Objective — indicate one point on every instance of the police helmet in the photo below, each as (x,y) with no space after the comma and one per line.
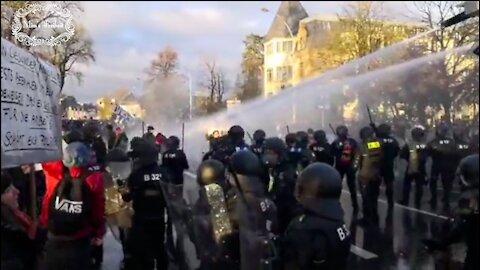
(210,171)
(320,136)
(467,172)
(173,142)
(290,139)
(259,135)
(366,133)
(442,130)
(236,132)
(384,130)
(302,138)
(245,163)
(318,189)
(342,131)
(418,133)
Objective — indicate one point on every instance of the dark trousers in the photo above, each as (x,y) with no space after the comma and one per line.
(68,255)
(97,254)
(419,180)
(388,176)
(447,175)
(352,187)
(370,191)
(146,245)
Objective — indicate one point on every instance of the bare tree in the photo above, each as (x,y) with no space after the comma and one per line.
(215,83)
(455,69)
(164,65)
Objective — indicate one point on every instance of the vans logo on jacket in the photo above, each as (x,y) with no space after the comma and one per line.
(71,207)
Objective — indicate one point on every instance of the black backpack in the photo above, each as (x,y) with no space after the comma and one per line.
(70,208)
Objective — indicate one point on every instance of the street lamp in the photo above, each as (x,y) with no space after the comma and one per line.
(294,105)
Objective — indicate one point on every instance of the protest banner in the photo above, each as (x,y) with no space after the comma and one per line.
(31,120)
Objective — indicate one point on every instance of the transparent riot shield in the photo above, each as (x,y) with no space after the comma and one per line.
(178,225)
(256,220)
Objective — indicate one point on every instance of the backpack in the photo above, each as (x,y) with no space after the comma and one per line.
(70,208)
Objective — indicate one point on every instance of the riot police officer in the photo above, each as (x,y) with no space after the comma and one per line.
(256,214)
(465,225)
(149,137)
(145,240)
(306,156)
(441,149)
(293,152)
(210,213)
(236,134)
(369,163)
(415,154)
(258,139)
(318,238)
(175,160)
(281,180)
(321,148)
(344,149)
(390,152)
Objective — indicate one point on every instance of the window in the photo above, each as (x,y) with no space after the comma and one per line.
(284,73)
(278,47)
(287,46)
(269,48)
(269,75)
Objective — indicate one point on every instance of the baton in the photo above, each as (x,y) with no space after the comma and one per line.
(250,136)
(369,114)
(288,129)
(333,130)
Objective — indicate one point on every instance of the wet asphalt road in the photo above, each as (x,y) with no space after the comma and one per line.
(393,244)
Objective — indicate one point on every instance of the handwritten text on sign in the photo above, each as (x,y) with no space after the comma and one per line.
(30,92)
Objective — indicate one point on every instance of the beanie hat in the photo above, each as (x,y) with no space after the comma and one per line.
(77,154)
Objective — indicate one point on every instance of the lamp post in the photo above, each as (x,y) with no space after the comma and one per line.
(294,105)
(190,94)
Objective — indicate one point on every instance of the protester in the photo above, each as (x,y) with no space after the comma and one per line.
(75,220)
(18,230)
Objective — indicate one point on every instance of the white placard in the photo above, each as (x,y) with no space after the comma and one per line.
(31,122)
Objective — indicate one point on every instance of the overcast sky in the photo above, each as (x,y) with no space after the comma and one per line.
(127,35)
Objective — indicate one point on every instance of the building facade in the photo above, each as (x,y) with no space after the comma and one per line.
(294,42)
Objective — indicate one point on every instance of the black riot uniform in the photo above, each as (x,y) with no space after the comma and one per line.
(219,148)
(281,180)
(344,149)
(465,226)
(318,238)
(294,152)
(416,155)
(321,148)
(145,241)
(258,139)
(149,137)
(391,150)
(442,149)
(175,160)
(256,214)
(214,255)
(306,156)
(370,162)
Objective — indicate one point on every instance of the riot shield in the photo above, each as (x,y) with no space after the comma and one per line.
(178,226)
(215,239)
(256,220)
